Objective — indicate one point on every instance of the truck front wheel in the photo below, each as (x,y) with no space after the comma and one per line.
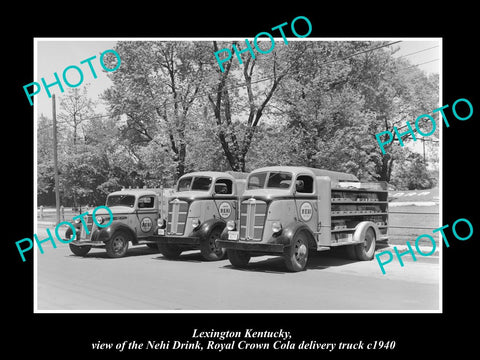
(238,258)
(79,250)
(296,256)
(208,247)
(117,246)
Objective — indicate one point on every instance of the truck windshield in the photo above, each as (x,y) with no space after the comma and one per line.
(197,183)
(272,180)
(120,200)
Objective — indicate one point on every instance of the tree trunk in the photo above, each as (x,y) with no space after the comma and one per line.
(236,151)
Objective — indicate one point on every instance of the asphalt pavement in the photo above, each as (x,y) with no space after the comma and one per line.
(146,281)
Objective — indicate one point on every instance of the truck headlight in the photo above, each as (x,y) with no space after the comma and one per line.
(161,223)
(276,227)
(195,223)
(230,225)
(100,220)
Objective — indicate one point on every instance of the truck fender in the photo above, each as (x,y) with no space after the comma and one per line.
(362,227)
(207,226)
(288,233)
(224,234)
(105,234)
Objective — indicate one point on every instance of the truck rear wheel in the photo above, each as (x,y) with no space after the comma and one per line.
(238,258)
(366,250)
(170,251)
(208,247)
(296,256)
(79,250)
(117,246)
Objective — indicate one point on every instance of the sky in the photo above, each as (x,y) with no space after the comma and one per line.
(55,55)
(426,53)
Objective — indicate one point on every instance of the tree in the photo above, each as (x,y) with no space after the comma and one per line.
(323,109)
(412,174)
(343,94)
(236,131)
(395,96)
(75,109)
(156,89)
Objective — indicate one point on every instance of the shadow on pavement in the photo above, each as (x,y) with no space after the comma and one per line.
(100,253)
(195,256)
(317,261)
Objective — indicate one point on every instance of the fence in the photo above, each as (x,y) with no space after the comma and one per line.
(406,223)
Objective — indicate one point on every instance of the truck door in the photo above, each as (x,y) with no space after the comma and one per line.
(147,214)
(225,200)
(306,201)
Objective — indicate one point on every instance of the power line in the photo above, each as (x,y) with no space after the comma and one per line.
(361,52)
(419,51)
(426,62)
(272,76)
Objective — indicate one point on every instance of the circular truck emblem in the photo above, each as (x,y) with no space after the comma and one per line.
(225,210)
(146,224)
(306,211)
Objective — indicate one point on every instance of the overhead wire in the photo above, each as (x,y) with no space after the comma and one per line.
(426,62)
(270,77)
(419,51)
(273,76)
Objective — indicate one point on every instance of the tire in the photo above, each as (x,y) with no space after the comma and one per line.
(170,251)
(79,250)
(366,251)
(238,258)
(296,255)
(210,251)
(117,246)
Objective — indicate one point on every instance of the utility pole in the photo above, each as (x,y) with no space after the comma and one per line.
(55,160)
(424,158)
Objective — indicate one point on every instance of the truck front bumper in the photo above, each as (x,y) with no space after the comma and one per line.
(86,243)
(177,240)
(251,246)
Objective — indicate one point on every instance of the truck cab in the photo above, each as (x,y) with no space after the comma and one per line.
(290,211)
(198,211)
(136,214)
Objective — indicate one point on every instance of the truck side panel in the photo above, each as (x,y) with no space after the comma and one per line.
(324,211)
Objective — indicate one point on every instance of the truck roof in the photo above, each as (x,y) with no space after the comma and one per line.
(137,192)
(334,175)
(215,174)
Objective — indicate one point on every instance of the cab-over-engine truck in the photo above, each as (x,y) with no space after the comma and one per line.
(289,211)
(198,212)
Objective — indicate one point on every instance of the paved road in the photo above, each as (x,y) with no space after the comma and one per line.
(145,280)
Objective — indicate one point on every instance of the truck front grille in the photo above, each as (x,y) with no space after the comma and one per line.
(252,219)
(177,217)
(89,222)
